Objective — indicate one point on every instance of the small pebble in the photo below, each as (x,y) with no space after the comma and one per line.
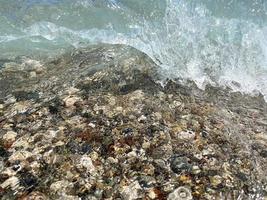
(181,193)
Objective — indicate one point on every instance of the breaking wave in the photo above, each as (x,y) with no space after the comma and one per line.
(217,42)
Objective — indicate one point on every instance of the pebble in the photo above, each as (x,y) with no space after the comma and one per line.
(10,136)
(86,162)
(263,153)
(196,169)
(131,192)
(180,164)
(72,90)
(92,125)
(1,165)
(12,182)
(175,104)
(10,100)
(112,160)
(33,74)
(186,135)
(20,156)
(71,100)
(152,194)
(21,142)
(207,152)
(142,119)
(35,196)
(137,95)
(20,107)
(27,180)
(59,186)
(181,193)
(216,180)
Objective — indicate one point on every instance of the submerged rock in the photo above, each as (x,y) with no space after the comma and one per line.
(96,124)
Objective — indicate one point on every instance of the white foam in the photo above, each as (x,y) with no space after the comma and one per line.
(189,42)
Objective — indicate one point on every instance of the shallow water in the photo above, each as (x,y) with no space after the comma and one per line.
(220,42)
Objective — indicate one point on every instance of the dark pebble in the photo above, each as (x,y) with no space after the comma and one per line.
(73,147)
(53,109)
(3,177)
(204,134)
(24,95)
(87,115)
(151,130)
(16,167)
(27,179)
(242,176)
(145,181)
(212,172)
(125,89)
(127,131)
(85,148)
(55,106)
(3,152)
(263,153)
(180,164)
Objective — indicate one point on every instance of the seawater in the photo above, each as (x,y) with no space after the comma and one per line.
(221,42)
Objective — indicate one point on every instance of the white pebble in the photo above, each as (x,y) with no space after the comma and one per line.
(70,100)
(86,162)
(10,136)
(131,192)
(12,182)
(181,193)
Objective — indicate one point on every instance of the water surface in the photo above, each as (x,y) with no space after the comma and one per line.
(210,41)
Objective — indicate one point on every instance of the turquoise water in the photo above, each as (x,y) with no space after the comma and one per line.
(210,41)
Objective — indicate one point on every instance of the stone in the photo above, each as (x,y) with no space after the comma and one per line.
(92,125)
(263,153)
(195,169)
(208,151)
(10,136)
(86,162)
(19,156)
(3,152)
(71,100)
(142,119)
(21,107)
(181,193)
(131,192)
(27,179)
(33,74)
(216,180)
(35,196)
(85,148)
(112,160)
(21,142)
(186,135)
(152,194)
(72,90)
(2,166)
(10,100)
(137,95)
(12,182)
(180,164)
(59,186)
